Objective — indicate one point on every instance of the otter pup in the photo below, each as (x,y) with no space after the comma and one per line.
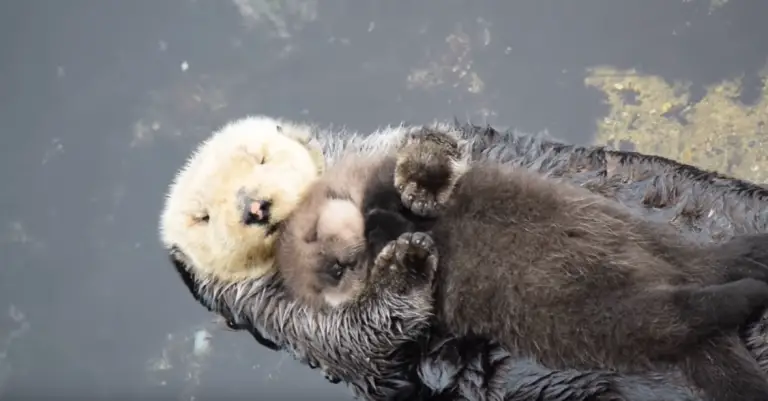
(549,270)
(575,280)
(325,247)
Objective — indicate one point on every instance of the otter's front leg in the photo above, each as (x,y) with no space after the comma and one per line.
(427,168)
(406,263)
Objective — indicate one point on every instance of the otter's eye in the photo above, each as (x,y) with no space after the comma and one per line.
(337,270)
(334,272)
(201,218)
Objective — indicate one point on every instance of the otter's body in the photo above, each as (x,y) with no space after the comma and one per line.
(574,280)
(554,269)
(706,206)
(550,271)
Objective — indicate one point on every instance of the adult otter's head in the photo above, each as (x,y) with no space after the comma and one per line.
(223,250)
(226,204)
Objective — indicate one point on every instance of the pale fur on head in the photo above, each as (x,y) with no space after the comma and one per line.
(230,265)
(476,369)
(258,157)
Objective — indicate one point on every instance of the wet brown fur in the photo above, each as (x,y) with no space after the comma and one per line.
(552,271)
(575,280)
(321,251)
(706,206)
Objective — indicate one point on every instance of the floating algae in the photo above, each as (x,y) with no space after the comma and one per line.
(718,132)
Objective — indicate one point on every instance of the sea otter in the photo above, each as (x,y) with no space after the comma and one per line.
(705,206)
(549,270)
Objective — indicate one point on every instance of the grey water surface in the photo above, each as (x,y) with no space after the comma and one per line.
(103,99)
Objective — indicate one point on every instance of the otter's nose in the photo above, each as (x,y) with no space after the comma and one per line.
(256,211)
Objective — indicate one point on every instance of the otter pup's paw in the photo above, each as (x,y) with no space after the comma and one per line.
(408,262)
(417,252)
(427,168)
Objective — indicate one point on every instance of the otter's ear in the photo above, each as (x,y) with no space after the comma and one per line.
(304,137)
(183,268)
(301,134)
(317,156)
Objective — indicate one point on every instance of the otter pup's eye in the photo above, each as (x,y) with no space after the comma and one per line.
(336,271)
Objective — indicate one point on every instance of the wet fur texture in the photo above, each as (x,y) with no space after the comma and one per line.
(322,251)
(569,277)
(707,207)
(208,216)
(324,236)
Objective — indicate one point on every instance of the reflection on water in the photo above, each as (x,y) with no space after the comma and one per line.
(103,100)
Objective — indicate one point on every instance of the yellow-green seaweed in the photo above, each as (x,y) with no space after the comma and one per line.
(718,132)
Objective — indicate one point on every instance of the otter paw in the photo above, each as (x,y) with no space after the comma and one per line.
(426,171)
(386,258)
(419,201)
(417,252)
(410,261)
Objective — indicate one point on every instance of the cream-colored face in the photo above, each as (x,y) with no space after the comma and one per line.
(225,205)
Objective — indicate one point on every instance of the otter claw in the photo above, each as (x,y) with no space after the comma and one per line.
(416,251)
(386,257)
(426,208)
(422,204)
(407,262)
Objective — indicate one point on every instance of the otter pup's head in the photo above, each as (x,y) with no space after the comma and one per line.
(322,253)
